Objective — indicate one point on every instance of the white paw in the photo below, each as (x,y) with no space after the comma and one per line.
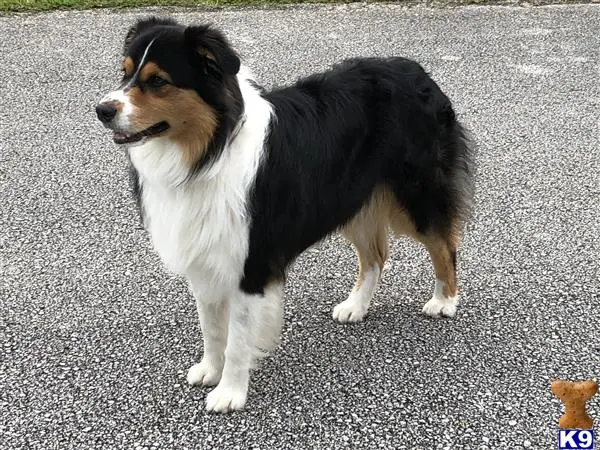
(437,307)
(349,311)
(204,373)
(224,399)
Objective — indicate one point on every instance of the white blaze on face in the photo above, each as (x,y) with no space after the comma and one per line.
(139,67)
(121,100)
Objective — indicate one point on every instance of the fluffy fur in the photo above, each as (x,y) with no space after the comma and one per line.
(234,182)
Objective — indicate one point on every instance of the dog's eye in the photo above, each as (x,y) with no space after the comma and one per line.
(155,81)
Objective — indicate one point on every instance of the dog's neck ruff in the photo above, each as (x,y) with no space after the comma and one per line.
(202,220)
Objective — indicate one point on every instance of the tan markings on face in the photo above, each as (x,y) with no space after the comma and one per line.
(151,69)
(128,66)
(191,120)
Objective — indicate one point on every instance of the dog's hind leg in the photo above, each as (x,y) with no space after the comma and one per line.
(368,232)
(442,250)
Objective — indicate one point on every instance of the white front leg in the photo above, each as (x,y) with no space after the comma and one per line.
(254,327)
(213,312)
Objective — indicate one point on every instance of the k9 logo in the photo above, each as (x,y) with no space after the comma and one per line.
(575,439)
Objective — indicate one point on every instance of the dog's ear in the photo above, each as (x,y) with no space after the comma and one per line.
(144,25)
(210,44)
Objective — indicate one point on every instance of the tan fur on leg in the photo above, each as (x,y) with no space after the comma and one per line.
(368,232)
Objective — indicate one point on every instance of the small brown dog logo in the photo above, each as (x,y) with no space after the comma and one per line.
(574,395)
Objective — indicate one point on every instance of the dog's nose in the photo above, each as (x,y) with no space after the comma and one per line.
(106,112)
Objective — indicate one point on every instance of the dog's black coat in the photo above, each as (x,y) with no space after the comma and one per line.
(338,135)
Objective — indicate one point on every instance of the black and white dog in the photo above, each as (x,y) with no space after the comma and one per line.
(235,182)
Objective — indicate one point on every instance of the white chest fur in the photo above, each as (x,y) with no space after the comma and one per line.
(198,226)
(202,225)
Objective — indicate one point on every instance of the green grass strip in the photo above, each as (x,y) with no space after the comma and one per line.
(49,5)
(9,6)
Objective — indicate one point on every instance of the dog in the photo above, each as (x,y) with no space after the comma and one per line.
(234,181)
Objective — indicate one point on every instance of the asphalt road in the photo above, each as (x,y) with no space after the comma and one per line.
(96,338)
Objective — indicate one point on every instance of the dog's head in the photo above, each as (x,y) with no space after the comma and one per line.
(178,83)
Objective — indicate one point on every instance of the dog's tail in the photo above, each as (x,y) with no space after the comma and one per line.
(458,152)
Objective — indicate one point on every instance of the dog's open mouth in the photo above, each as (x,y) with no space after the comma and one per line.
(122,138)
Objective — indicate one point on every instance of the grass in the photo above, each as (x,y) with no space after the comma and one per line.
(49,5)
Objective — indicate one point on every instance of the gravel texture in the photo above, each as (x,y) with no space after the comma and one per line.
(96,338)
